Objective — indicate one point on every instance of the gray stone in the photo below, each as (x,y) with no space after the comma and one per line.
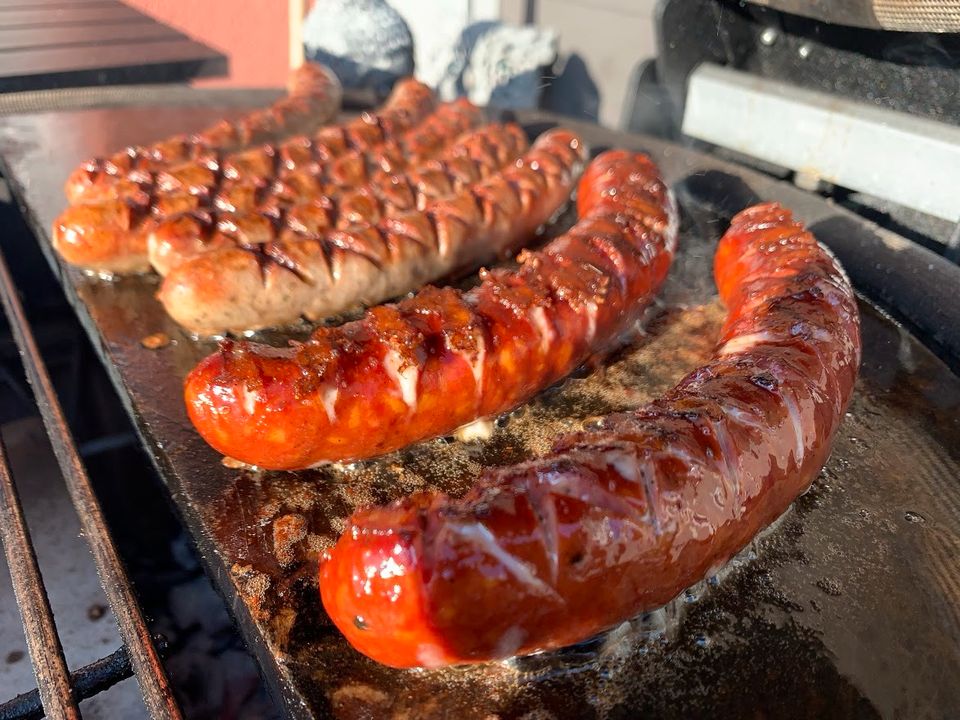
(499,65)
(366,42)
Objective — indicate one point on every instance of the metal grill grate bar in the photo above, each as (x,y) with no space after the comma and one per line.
(46,653)
(86,682)
(113,578)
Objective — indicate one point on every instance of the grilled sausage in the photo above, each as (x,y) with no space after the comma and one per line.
(111,236)
(333,271)
(409,103)
(354,168)
(443,358)
(316,201)
(617,521)
(313,99)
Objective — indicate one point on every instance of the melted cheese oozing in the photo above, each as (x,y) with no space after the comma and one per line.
(476,361)
(405,375)
(479,429)
(538,317)
(329,400)
(592,310)
(248,399)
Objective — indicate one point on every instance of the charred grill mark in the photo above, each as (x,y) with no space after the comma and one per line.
(383,127)
(353,242)
(140,206)
(651,499)
(326,255)
(286,226)
(281,258)
(360,148)
(267,254)
(258,253)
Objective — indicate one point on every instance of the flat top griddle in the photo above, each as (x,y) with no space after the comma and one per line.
(848,607)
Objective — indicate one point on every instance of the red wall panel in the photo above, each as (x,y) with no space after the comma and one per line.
(254,34)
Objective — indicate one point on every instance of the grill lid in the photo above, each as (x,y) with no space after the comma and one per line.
(904,15)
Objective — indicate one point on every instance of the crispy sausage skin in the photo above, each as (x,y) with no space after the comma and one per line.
(110,236)
(300,183)
(443,358)
(471,158)
(313,201)
(326,274)
(313,99)
(409,103)
(620,520)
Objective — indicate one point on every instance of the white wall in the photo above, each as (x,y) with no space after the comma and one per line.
(436,25)
(611,36)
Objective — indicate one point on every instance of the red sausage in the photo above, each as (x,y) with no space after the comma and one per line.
(443,358)
(618,521)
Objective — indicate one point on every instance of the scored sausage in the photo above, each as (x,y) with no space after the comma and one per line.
(111,236)
(443,358)
(276,283)
(355,168)
(409,103)
(315,203)
(618,521)
(313,99)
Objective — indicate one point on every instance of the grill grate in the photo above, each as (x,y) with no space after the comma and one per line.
(58,692)
(46,653)
(85,682)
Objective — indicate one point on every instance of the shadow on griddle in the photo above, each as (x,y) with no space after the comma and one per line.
(899,275)
(712,198)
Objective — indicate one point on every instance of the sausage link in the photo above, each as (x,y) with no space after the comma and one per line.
(336,270)
(353,168)
(620,520)
(471,158)
(175,238)
(313,99)
(408,105)
(111,236)
(443,358)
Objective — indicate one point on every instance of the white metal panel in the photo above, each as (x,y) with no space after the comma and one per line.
(911,161)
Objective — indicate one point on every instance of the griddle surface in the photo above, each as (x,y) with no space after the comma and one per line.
(848,607)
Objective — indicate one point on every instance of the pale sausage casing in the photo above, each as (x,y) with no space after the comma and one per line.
(334,271)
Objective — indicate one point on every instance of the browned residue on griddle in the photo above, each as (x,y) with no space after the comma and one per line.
(155,341)
(288,531)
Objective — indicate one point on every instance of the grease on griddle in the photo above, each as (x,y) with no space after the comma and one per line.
(155,341)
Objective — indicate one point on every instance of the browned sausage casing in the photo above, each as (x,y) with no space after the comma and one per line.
(355,168)
(313,99)
(409,103)
(289,208)
(620,520)
(276,283)
(111,236)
